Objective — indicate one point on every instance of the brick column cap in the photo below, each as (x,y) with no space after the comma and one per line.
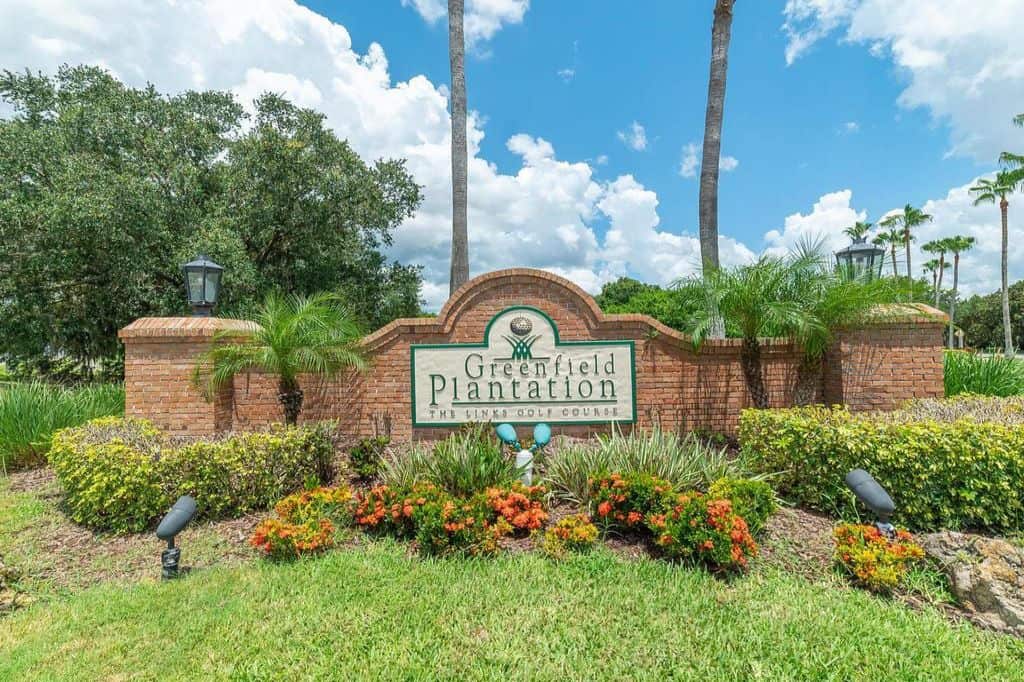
(156,328)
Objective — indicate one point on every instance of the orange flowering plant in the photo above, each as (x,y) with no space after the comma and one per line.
(392,511)
(279,539)
(521,506)
(450,525)
(309,506)
(705,531)
(571,534)
(872,559)
(625,501)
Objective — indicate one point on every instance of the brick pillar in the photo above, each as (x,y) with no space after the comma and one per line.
(159,356)
(896,358)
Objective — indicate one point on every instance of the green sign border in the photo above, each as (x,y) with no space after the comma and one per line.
(558,344)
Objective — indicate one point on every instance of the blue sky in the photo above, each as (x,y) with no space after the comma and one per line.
(787,125)
(837,110)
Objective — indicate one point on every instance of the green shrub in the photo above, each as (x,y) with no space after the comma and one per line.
(706,531)
(469,461)
(121,474)
(367,456)
(686,462)
(976,408)
(404,468)
(752,499)
(30,413)
(963,474)
(992,374)
(336,504)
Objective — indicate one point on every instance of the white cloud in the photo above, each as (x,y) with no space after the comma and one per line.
(567,74)
(963,60)
(850,127)
(689,165)
(829,216)
(482,18)
(635,138)
(601,160)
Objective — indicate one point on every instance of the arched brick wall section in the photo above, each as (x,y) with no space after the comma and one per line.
(677,388)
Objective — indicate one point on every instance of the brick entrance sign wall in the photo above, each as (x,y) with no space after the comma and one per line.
(876,367)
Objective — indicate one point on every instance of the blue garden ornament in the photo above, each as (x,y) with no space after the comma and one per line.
(524,458)
(507,434)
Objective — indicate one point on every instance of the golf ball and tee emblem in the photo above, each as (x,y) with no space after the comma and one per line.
(521,340)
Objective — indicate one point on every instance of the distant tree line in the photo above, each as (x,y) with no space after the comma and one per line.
(105,190)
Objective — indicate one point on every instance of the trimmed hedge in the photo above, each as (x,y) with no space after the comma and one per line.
(961,474)
(122,474)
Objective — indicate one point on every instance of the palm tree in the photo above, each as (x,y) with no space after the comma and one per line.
(292,336)
(755,299)
(932,268)
(905,222)
(460,233)
(987,192)
(889,239)
(937,246)
(721,31)
(957,245)
(858,230)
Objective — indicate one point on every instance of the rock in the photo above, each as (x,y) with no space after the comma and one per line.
(986,575)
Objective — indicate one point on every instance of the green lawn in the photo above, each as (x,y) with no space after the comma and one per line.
(375,611)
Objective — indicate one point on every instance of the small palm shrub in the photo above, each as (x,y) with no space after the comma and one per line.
(686,463)
(706,531)
(30,413)
(871,559)
(572,534)
(991,375)
(754,500)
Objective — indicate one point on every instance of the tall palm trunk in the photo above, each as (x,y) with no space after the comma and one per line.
(952,300)
(460,234)
(750,361)
(894,272)
(1004,207)
(290,396)
(910,271)
(721,33)
(942,268)
(935,280)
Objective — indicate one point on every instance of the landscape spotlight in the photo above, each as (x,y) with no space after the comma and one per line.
(874,497)
(524,457)
(172,524)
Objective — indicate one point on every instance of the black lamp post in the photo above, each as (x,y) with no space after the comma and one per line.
(861,259)
(202,284)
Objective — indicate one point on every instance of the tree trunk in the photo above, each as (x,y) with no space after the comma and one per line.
(895,274)
(952,300)
(460,233)
(935,280)
(910,271)
(290,396)
(942,268)
(808,378)
(1004,207)
(750,360)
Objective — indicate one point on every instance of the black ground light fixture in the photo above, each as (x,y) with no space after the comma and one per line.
(874,497)
(172,524)
(202,285)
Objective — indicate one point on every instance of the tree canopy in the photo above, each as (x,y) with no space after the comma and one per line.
(105,190)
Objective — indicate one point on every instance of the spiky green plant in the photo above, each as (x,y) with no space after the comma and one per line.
(30,413)
(470,461)
(989,374)
(293,335)
(686,462)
